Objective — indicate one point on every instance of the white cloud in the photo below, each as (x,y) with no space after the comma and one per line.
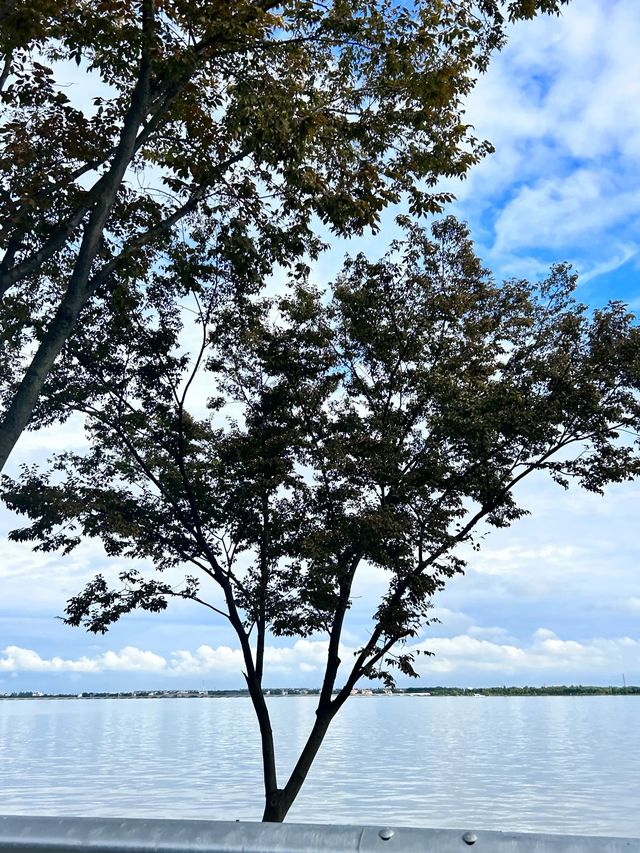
(561,105)
(622,255)
(446,621)
(128,659)
(489,633)
(207,659)
(131,659)
(510,559)
(35,444)
(304,656)
(558,212)
(16,659)
(483,650)
(546,654)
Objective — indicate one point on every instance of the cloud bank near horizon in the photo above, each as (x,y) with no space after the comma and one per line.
(489,651)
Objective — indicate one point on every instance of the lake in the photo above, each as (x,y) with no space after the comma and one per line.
(555,764)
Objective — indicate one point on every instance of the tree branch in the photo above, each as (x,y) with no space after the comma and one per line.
(362,658)
(22,405)
(6,68)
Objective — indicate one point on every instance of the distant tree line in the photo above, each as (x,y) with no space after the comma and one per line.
(555,690)
(552,690)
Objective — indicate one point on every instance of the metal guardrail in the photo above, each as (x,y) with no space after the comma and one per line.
(25,834)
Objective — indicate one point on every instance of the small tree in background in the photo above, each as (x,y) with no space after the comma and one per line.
(226,125)
(382,424)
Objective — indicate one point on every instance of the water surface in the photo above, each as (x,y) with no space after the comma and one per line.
(555,764)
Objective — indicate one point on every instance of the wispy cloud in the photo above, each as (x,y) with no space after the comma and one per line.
(561,212)
(562,106)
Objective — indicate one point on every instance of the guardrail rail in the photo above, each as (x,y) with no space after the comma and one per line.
(29,834)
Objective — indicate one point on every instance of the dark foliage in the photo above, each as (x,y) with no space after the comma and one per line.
(380,425)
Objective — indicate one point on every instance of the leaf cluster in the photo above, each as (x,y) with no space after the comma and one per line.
(237,124)
(385,424)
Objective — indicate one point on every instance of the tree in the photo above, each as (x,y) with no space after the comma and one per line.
(383,424)
(233,126)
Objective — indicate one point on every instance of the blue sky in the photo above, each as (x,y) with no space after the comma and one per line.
(556,598)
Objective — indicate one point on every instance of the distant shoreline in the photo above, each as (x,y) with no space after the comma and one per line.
(416,692)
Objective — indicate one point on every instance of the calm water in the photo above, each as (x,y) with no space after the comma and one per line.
(560,764)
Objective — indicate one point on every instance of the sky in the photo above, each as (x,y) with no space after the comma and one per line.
(556,598)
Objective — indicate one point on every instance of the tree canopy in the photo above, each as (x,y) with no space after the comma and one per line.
(233,127)
(382,424)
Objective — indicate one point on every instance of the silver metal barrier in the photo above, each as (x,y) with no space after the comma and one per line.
(111,835)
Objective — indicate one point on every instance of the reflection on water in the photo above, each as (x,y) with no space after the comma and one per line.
(558,764)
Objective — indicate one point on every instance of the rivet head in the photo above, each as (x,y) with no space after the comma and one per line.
(469,838)
(386,833)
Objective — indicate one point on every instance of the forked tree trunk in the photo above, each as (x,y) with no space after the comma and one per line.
(277,805)
(275,809)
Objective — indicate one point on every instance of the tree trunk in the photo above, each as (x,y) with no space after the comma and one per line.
(275,809)
(277,805)
(79,290)
(19,412)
